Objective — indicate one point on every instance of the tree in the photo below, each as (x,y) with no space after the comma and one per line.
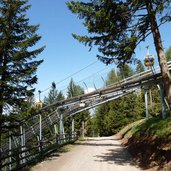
(168,54)
(18,63)
(139,67)
(53,95)
(112,77)
(74,90)
(117,27)
(125,71)
(112,116)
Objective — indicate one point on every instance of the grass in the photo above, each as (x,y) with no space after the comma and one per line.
(149,142)
(160,128)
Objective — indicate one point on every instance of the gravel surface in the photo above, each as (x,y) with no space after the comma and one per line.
(94,154)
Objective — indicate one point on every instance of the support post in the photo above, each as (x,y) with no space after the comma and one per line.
(56,133)
(160,86)
(146,103)
(83,129)
(40,132)
(73,133)
(151,100)
(61,127)
(22,144)
(10,152)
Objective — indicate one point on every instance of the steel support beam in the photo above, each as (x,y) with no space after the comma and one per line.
(61,127)
(40,132)
(10,152)
(73,131)
(83,129)
(161,88)
(146,103)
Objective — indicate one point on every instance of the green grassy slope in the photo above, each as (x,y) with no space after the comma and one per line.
(149,141)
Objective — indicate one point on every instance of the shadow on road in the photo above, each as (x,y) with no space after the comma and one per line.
(96,144)
(118,156)
(116,153)
(101,139)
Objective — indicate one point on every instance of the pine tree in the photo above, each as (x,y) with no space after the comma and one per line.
(111,77)
(18,63)
(74,90)
(112,116)
(139,67)
(53,95)
(168,54)
(118,27)
(125,71)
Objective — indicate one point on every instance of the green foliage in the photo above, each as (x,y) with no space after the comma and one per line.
(112,77)
(168,54)
(53,95)
(76,90)
(112,116)
(117,27)
(139,67)
(17,56)
(125,71)
(154,127)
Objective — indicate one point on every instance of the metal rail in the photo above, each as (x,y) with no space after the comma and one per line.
(34,127)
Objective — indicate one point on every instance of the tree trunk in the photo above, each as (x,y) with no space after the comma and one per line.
(160,51)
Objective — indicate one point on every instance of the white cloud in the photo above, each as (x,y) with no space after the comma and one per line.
(89,90)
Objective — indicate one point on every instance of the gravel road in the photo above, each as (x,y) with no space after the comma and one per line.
(95,154)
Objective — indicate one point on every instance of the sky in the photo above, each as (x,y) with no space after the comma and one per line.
(64,56)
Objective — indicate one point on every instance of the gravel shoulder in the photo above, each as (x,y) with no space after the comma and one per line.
(94,154)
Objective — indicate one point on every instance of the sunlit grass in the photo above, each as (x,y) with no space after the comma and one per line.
(158,127)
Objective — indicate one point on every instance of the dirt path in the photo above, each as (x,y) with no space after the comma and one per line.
(95,154)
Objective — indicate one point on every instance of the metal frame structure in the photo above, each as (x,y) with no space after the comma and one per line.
(18,150)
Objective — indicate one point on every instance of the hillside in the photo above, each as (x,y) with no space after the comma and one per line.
(149,142)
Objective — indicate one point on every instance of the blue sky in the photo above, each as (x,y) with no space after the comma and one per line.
(63,55)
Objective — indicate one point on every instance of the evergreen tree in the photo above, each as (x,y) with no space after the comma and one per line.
(118,27)
(168,54)
(18,63)
(75,90)
(139,67)
(53,95)
(125,71)
(111,77)
(111,117)
(18,58)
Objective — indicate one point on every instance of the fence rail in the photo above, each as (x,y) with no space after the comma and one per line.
(21,156)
